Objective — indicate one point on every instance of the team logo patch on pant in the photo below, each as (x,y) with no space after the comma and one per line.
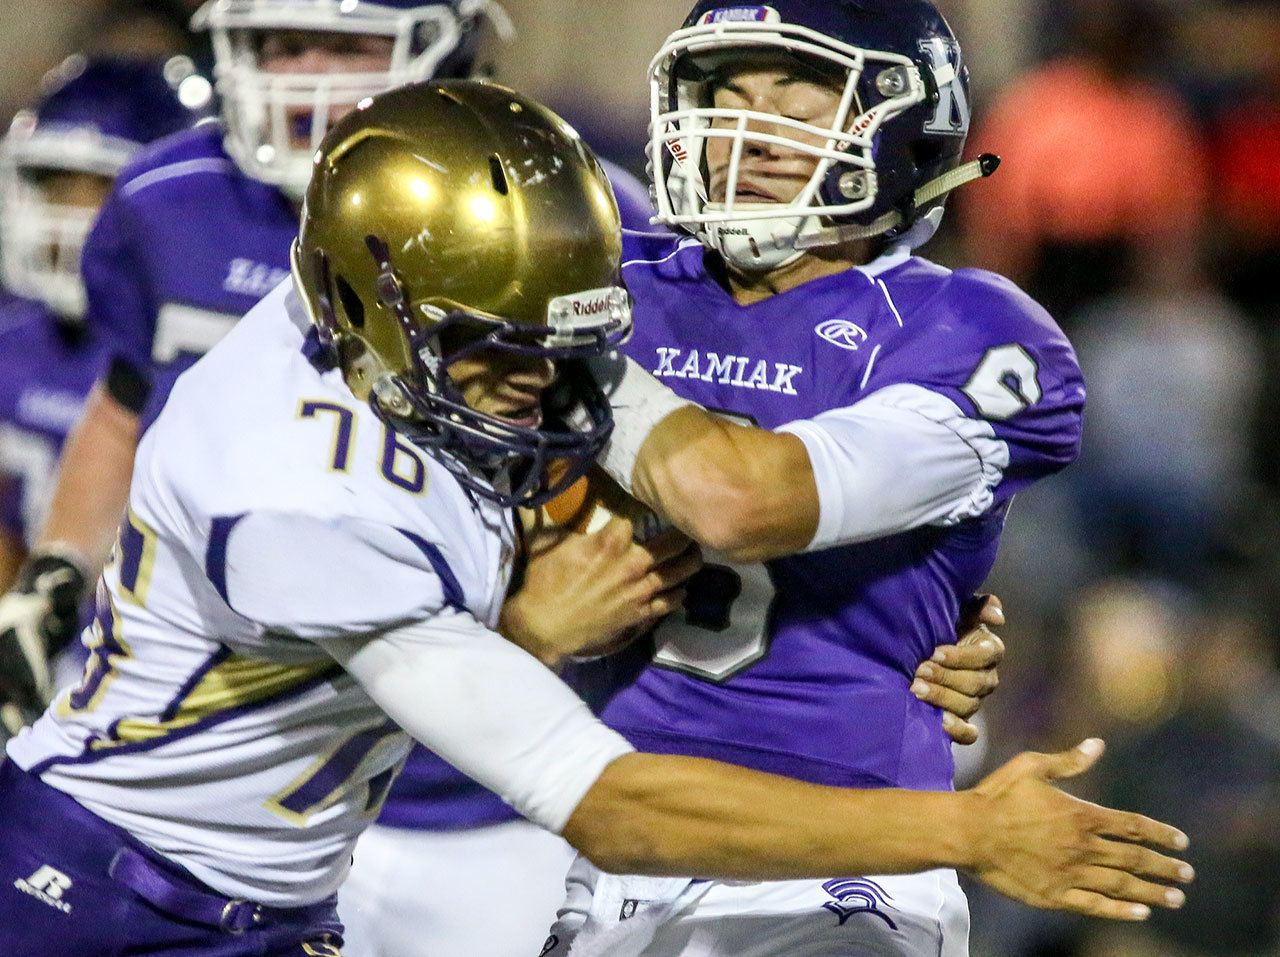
(857,896)
(47,885)
(630,906)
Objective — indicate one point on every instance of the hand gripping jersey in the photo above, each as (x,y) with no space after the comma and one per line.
(185,245)
(45,375)
(210,722)
(802,666)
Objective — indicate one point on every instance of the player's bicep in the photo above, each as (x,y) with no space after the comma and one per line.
(487,708)
(902,458)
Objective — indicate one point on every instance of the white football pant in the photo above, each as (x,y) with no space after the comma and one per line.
(487,892)
(915,915)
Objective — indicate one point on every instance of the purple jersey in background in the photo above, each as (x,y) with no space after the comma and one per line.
(46,373)
(822,693)
(184,246)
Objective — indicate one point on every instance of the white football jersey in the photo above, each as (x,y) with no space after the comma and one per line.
(269,511)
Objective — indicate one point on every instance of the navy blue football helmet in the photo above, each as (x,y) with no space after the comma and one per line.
(276,121)
(885,161)
(91,116)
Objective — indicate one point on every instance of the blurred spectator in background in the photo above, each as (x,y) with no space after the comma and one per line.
(1174,373)
(1163,672)
(1246,154)
(140,28)
(1217,777)
(1099,159)
(1246,167)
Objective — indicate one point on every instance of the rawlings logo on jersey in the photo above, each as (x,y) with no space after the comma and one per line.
(857,896)
(842,333)
(742,372)
(741,15)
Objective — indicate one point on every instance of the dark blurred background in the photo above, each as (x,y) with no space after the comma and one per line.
(1140,201)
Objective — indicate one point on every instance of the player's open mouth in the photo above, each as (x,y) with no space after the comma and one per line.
(750,193)
(526,417)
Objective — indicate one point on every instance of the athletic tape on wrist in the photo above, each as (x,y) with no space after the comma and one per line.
(639,403)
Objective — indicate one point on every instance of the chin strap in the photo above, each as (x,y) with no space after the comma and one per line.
(930,192)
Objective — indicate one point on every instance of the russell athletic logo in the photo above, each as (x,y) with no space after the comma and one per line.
(47,886)
(857,896)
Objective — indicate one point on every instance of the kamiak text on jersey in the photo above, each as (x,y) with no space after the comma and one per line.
(742,372)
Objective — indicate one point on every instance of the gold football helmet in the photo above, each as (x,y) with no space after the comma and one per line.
(449,218)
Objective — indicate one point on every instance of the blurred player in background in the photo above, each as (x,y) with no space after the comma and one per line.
(195,233)
(317,555)
(57,163)
(808,145)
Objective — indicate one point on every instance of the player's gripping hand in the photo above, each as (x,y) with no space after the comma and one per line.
(1048,849)
(590,594)
(959,676)
(38,617)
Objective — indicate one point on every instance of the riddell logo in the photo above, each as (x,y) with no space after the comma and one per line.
(47,886)
(592,308)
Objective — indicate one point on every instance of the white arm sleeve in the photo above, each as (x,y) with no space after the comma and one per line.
(902,458)
(489,709)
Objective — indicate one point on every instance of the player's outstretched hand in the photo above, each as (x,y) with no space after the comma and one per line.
(1044,847)
(587,595)
(38,616)
(959,676)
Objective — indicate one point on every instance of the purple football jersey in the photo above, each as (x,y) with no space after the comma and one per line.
(185,245)
(45,375)
(815,653)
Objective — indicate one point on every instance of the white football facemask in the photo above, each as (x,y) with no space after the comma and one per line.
(41,241)
(268,114)
(762,236)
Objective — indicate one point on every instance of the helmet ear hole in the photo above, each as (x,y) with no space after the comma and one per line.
(351,303)
(498,175)
(924,153)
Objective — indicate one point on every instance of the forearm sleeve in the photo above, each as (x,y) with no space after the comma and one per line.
(487,708)
(902,458)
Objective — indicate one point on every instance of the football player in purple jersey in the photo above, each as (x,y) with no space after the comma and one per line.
(57,163)
(196,231)
(844,424)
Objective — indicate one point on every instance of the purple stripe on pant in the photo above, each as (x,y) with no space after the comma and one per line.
(58,895)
